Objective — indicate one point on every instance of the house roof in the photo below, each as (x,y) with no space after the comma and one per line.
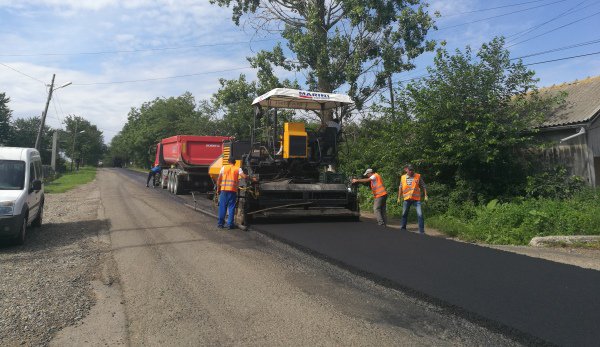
(581,105)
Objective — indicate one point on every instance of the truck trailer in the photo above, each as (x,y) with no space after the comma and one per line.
(185,160)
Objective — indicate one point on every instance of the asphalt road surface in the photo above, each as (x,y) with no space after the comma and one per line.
(185,282)
(242,287)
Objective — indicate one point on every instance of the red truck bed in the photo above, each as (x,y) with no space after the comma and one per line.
(191,150)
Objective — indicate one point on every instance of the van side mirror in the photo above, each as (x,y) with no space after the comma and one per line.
(36,185)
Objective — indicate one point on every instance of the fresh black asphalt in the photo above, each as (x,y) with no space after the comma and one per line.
(557,303)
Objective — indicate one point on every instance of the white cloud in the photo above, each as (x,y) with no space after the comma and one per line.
(451,7)
(64,26)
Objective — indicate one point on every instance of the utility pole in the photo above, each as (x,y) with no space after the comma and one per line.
(39,134)
(54,150)
(73,147)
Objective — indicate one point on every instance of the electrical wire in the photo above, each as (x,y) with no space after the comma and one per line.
(60,107)
(528,64)
(160,78)
(560,59)
(520,34)
(22,73)
(490,8)
(558,49)
(557,28)
(501,15)
(134,50)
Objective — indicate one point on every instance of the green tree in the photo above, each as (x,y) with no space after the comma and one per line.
(82,140)
(159,119)
(5,118)
(353,43)
(233,101)
(25,132)
(473,116)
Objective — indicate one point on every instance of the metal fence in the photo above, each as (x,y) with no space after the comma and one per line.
(49,173)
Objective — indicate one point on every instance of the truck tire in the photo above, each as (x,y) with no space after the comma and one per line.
(241,217)
(177,186)
(170,182)
(163,181)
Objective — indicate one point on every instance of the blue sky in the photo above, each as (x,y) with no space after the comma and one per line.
(94,43)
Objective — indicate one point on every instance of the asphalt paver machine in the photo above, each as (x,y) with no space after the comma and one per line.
(291,165)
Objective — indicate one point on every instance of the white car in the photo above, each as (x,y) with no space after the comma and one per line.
(21,192)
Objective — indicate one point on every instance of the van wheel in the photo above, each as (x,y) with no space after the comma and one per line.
(37,222)
(20,239)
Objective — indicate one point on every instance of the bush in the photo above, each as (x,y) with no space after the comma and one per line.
(553,183)
(517,222)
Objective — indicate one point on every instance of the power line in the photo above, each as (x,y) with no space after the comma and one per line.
(567,12)
(62,112)
(557,28)
(529,64)
(134,50)
(160,78)
(500,15)
(22,73)
(565,58)
(558,49)
(491,8)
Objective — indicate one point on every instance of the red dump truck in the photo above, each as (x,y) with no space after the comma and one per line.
(185,160)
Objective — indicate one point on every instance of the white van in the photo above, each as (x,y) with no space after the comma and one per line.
(21,192)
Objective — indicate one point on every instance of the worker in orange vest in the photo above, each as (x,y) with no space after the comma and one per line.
(410,190)
(227,187)
(379,195)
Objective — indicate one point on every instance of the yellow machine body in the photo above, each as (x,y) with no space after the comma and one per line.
(295,140)
(215,168)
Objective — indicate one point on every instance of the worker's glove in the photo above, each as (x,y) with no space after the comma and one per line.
(426,197)
(398,200)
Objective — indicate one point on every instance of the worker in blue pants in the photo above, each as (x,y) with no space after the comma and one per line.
(227,187)
(153,172)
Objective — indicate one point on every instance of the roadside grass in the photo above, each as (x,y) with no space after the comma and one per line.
(517,222)
(71,180)
(513,222)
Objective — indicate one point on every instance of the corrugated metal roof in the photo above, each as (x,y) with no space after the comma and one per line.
(582,102)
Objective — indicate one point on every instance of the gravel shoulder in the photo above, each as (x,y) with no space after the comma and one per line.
(47,283)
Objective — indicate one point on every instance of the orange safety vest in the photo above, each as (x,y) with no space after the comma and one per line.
(412,192)
(377,187)
(230,178)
